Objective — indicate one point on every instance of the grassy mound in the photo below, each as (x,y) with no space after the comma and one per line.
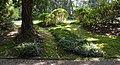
(71,42)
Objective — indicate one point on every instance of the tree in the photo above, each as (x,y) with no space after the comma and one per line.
(26,33)
(27,24)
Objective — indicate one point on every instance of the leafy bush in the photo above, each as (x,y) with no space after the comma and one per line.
(5,17)
(59,15)
(79,13)
(44,16)
(71,42)
(45,19)
(55,17)
(25,50)
(101,14)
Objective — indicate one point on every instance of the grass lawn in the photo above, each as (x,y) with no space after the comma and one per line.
(110,44)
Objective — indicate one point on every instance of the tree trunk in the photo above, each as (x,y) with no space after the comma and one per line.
(27,31)
(70,8)
(27,24)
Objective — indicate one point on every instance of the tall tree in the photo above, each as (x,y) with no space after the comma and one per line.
(26,33)
(27,24)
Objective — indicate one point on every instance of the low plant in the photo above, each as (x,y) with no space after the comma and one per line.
(59,15)
(71,42)
(26,50)
(5,17)
(7,48)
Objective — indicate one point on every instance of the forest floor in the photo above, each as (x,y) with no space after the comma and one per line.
(108,43)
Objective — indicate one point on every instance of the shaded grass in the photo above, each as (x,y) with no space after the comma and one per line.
(47,46)
(7,49)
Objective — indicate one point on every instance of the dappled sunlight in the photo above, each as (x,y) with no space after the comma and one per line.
(59,26)
(106,42)
(69,21)
(91,39)
(19,22)
(98,35)
(59,30)
(93,59)
(68,26)
(69,29)
(102,45)
(74,29)
(118,59)
(60,62)
(112,36)
(40,63)
(65,21)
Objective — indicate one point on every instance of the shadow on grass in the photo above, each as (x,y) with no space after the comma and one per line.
(110,44)
(47,47)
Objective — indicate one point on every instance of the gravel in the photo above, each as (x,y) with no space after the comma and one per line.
(59,62)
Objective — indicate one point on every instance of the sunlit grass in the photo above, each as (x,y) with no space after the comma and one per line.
(92,39)
(109,43)
(19,22)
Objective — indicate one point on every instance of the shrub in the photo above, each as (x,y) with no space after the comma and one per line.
(45,19)
(25,50)
(44,16)
(71,42)
(102,14)
(5,17)
(55,17)
(59,15)
(79,13)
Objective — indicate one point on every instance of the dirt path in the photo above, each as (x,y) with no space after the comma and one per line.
(58,62)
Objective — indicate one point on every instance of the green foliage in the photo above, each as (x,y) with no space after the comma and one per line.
(16,13)
(5,16)
(59,15)
(39,7)
(45,19)
(71,42)
(48,46)
(44,16)
(25,50)
(101,14)
(7,48)
(79,13)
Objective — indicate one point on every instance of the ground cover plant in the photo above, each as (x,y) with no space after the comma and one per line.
(71,42)
(88,32)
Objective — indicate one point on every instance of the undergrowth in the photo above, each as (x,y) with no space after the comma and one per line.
(71,42)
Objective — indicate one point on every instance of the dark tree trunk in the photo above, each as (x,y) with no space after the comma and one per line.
(27,31)
(27,24)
